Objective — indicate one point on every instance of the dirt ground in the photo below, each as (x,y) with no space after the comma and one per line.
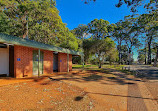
(43,94)
(95,90)
(114,91)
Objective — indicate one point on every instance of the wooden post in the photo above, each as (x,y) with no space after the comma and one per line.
(67,62)
(38,62)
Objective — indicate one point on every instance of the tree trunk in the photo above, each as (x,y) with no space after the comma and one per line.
(120,58)
(156,58)
(24,27)
(145,56)
(149,50)
(129,58)
(119,49)
(99,65)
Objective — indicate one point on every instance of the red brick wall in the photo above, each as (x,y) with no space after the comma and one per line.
(25,65)
(48,62)
(62,62)
(70,62)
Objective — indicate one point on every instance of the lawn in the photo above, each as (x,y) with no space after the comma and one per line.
(89,66)
(104,68)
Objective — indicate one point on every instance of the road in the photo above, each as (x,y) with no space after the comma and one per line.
(146,71)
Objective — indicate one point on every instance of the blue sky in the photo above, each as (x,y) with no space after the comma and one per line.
(75,12)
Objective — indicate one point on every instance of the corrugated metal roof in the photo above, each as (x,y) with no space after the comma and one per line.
(4,38)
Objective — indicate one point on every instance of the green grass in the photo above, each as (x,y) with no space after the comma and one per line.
(103,69)
(117,67)
(78,66)
(95,67)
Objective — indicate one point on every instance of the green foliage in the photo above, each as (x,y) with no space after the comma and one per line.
(87,44)
(126,34)
(112,56)
(141,58)
(98,46)
(99,28)
(148,24)
(133,4)
(44,23)
(80,32)
(102,49)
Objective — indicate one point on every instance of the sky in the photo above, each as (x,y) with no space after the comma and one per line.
(75,12)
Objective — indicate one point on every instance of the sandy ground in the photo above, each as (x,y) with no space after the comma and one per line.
(43,94)
(105,90)
(113,91)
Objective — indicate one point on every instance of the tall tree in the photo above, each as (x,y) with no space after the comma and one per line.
(44,23)
(119,36)
(132,34)
(101,48)
(134,4)
(99,28)
(127,32)
(149,25)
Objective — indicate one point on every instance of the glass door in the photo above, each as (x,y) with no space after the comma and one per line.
(35,62)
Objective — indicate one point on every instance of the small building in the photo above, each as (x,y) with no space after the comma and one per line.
(26,58)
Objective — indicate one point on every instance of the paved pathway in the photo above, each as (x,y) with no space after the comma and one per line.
(148,72)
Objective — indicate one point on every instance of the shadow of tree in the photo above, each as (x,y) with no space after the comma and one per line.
(93,77)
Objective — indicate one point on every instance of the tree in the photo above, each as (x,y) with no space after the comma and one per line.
(119,37)
(44,23)
(141,58)
(112,55)
(155,52)
(133,4)
(149,25)
(87,44)
(101,49)
(99,29)
(142,53)
(126,32)
(132,33)
(81,32)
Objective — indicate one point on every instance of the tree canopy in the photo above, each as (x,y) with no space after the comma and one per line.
(44,23)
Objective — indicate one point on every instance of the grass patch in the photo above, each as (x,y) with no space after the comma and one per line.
(104,68)
(78,66)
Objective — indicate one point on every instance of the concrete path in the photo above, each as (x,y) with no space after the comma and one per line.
(113,91)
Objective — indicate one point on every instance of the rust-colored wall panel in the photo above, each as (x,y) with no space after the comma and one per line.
(62,62)
(70,62)
(23,61)
(48,62)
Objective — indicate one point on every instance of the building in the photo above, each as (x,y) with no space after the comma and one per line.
(26,58)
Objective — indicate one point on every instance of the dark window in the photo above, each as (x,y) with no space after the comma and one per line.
(3,45)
